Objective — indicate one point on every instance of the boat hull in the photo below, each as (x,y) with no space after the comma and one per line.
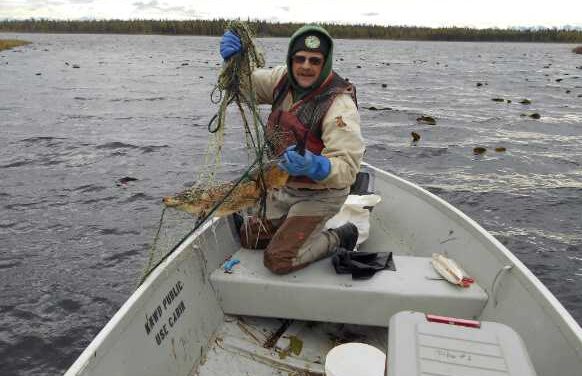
(166,326)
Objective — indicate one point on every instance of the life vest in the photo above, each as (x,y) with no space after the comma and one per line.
(302,123)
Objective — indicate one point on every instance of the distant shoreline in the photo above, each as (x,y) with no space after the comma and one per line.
(269,29)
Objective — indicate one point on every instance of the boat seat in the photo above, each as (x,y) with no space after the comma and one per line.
(317,293)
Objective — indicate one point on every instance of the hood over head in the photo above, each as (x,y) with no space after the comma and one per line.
(312,38)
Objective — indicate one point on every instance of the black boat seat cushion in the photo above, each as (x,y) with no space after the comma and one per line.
(317,293)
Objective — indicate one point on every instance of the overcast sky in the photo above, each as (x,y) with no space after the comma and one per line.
(483,13)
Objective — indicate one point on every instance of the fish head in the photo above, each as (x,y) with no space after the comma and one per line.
(181,203)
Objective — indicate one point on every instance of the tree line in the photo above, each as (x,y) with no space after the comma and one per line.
(275,29)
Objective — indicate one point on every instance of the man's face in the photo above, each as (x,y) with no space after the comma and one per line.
(307,67)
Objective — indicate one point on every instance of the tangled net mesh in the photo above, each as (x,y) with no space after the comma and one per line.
(210,196)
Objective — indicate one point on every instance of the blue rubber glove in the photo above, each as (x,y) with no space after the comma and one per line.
(230,45)
(315,167)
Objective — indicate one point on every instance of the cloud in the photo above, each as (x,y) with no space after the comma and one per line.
(145,6)
(155,6)
(286,9)
(370,14)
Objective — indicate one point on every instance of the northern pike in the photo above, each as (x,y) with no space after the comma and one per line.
(200,201)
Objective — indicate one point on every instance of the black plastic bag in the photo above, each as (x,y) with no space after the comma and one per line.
(362,265)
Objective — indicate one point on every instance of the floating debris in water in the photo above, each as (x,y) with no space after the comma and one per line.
(373,108)
(76,66)
(498,99)
(559,79)
(577,50)
(384,85)
(123,181)
(525,101)
(359,66)
(426,119)
(535,115)
(479,150)
(500,149)
(415,137)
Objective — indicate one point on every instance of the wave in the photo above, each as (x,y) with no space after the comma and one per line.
(18,164)
(116,145)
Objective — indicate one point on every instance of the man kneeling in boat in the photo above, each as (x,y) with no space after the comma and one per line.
(322,147)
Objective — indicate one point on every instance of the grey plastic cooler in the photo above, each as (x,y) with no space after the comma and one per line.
(420,344)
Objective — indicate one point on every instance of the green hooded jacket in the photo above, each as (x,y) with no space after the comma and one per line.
(298,91)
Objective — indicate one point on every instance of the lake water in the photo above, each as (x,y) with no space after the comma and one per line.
(80,112)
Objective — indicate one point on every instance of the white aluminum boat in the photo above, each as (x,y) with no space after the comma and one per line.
(189,317)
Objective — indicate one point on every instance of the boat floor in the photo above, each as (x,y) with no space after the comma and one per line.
(266,346)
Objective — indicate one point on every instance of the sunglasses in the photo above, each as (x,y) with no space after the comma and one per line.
(313,60)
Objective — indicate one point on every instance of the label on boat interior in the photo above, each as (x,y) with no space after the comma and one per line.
(165,315)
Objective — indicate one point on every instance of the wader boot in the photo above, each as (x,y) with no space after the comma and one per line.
(348,236)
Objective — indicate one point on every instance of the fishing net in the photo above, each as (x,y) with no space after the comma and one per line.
(212,194)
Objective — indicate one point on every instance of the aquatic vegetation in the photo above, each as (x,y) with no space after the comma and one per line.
(6,44)
(426,120)
(374,108)
(479,150)
(415,137)
(535,115)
